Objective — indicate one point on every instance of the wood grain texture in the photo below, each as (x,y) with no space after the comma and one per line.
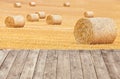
(87,65)
(17,67)
(40,66)
(75,64)
(7,64)
(3,55)
(29,67)
(63,67)
(51,65)
(110,63)
(100,67)
(60,64)
(43,36)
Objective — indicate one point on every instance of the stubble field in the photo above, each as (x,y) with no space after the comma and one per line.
(40,35)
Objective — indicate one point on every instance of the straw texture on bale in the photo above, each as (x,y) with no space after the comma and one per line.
(95,31)
(32,3)
(66,4)
(54,19)
(17,5)
(32,17)
(15,21)
(89,14)
(41,14)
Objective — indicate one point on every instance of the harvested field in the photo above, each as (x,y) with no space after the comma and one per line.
(40,35)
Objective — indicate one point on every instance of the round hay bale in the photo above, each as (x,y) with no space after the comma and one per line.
(32,17)
(54,19)
(66,4)
(17,5)
(32,4)
(15,21)
(89,14)
(41,14)
(95,31)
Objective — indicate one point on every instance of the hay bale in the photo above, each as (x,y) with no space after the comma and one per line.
(41,14)
(54,19)
(32,17)
(89,14)
(32,4)
(95,31)
(66,4)
(17,5)
(15,21)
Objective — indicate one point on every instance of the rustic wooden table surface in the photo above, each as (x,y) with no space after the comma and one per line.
(59,64)
(43,36)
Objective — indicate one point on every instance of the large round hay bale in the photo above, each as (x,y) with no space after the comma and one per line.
(32,4)
(89,14)
(54,19)
(17,5)
(66,4)
(15,21)
(32,17)
(95,31)
(41,14)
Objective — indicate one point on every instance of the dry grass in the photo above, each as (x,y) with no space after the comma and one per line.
(43,36)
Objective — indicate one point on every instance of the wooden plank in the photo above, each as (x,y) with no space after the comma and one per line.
(116,56)
(29,67)
(75,63)
(100,67)
(110,63)
(18,65)
(51,65)
(3,55)
(5,67)
(63,67)
(87,65)
(39,70)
